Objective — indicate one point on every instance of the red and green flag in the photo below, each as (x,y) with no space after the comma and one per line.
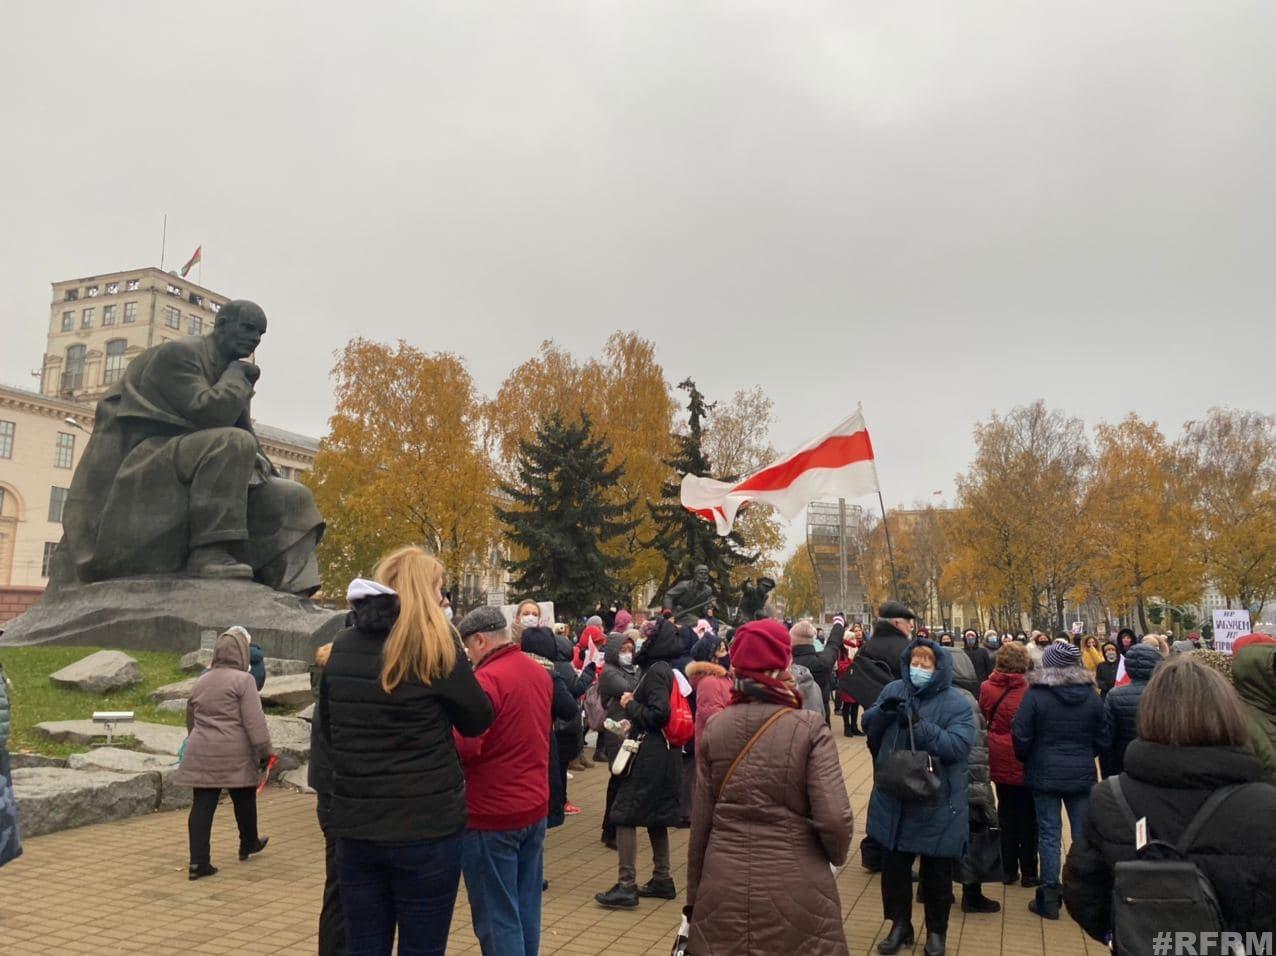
(192,261)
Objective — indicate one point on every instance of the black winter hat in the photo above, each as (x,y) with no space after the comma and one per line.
(893,609)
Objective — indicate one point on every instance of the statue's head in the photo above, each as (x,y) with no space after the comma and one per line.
(766,585)
(239,328)
(702,573)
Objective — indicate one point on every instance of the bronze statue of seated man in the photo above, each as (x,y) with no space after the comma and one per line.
(174,479)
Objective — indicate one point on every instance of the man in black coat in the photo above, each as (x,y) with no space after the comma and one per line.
(1121,707)
(891,636)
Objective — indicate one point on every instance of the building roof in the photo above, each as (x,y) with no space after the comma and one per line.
(85,411)
(270,433)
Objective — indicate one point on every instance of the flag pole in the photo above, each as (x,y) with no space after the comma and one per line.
(886,525)
(163,241)
(200,280)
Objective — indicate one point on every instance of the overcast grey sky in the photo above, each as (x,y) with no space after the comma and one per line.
(937,209)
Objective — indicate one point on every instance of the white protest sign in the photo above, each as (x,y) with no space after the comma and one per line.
(1228,626)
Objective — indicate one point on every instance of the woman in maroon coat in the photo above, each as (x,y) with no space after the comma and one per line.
(999,699)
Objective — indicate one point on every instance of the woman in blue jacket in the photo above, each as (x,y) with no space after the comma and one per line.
(1057,733)
(943,726)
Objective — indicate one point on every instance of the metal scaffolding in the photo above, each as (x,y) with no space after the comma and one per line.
(834,530)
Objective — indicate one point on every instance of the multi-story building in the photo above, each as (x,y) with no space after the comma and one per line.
(97,325)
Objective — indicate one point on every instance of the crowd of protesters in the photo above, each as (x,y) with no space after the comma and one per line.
(442,750)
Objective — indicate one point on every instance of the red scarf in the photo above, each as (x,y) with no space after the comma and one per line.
(768,687)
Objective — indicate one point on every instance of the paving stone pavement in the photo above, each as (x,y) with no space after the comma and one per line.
(122,888)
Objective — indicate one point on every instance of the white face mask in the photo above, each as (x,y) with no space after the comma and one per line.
(529,620)
(447,613)
(626,659)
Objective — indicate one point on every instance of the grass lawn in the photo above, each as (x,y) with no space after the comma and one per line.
(34,699)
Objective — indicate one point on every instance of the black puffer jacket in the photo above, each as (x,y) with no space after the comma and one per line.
(615,680)
(1058,730)
(396,777)
(1168,785)
(539,644)
(1121,706)
(648,796)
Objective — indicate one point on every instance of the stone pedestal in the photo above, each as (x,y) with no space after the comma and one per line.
(171,613)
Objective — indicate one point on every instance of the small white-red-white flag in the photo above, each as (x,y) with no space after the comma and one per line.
(838,464)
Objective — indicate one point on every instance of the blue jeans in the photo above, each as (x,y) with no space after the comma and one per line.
(1050,829)
(503,872)
(412,886)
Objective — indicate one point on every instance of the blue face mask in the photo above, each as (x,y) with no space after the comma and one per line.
(920,676)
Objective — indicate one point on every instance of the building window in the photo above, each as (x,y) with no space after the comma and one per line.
(195,325)
(57,501)
(72,294)
(112,288)
(64,450)
(174,290)
(196,299)
(131,285)
(73,371)
(86,318)
(108,315)
(216,307)
(130,312)
(6,439)
(68,321)
(172,317)
(92,291)
(47,563)
(113,371)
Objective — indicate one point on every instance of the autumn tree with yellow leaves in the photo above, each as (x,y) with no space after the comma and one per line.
(799,587)
(1142,523)
(1232,454)
(402,463)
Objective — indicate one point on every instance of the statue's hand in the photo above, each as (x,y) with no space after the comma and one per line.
(251,372)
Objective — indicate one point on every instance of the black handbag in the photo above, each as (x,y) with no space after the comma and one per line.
(908,775)
(982,862)
(866,680)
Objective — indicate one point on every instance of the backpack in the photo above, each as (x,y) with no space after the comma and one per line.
(595,712)
(1163,890)
(681,728)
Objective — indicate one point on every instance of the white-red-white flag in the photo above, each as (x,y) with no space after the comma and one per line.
(838,464)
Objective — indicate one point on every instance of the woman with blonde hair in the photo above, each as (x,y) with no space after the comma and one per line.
(1091,654)
(396,685)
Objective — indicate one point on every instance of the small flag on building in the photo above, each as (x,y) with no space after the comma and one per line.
(192,261)
(837,464)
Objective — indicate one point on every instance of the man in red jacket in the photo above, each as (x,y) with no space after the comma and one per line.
(506,789)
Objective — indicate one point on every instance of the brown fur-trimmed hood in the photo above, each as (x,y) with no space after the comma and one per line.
(704,669)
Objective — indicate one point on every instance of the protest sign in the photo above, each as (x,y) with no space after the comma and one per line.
(1228,626)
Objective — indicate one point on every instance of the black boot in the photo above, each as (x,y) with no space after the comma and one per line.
(246,851)
(659,889)
(935,943)
(847,729)
(618,897)
(201,869)
(974,901)
(900,937)
(1028,882)
(1011,876)
(1046,903)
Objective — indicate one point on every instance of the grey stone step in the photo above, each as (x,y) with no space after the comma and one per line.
(163,766)
(51,798)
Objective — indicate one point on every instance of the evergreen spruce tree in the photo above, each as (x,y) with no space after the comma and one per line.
(683,537)
(561,517)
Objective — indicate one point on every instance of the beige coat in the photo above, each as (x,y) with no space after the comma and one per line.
(758,871)
(228,735)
